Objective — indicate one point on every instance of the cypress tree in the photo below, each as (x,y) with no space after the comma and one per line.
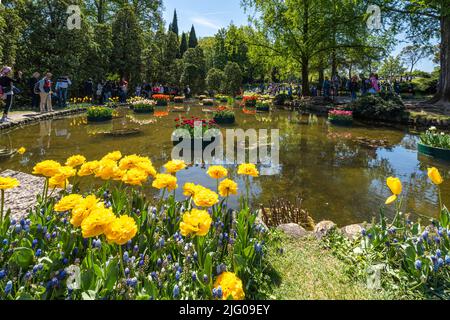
(174,25)
(193,38)
(184,44)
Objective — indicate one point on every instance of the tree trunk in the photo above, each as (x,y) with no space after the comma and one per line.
(442,96)
(333,64)
(321,76)
(305,77)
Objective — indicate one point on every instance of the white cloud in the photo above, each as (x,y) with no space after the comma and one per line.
(205,22)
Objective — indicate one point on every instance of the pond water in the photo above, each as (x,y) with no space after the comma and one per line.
(339,177)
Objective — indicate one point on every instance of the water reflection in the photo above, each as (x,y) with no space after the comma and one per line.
(339,171)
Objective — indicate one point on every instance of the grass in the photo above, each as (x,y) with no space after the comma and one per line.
(309,272)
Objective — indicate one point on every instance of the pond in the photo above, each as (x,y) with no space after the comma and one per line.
(340,172)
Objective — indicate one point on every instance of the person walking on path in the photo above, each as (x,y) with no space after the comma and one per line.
(353,87)
(7,90)
(45,92)
(326,87)
(62,87)
(32,87)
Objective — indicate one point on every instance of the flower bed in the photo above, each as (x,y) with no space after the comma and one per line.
(340,117)
(435,144)
(222,98)
(143,106)
(224,115)
(98,113)
(208,102)
(112,243)
(263,106)
(179,99)
(162,100)
(414,257)
(202,97)
(249,101)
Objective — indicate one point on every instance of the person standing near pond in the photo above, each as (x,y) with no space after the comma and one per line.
(89,89)
(45,93)
(7,84)
(123,90)
(353,87)
(34,93)
(62,87)
(326,87)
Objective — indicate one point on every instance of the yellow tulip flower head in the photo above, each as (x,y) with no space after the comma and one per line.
(435,176)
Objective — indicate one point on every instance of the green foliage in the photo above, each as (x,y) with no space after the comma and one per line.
(385,107)
(193,42)
(225,115)
(127,39)
(194,69)
(233,78)
(214,79)
(183,44)
(434,139)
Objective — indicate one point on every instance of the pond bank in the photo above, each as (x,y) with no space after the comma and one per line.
(33,117)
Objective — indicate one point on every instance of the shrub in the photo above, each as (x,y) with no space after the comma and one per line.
(214,79)
(386,107)
(98,113)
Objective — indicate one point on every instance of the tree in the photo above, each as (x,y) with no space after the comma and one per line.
(183,44)
(233,78)
(193,42)
(127,39)
(412,54)
(194,69)
(11,26)
(427,20)
(303,30)
(392,68)
(214,79)
(174,25)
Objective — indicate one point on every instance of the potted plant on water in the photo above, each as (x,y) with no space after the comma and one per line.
(143,106)
(99,113)
(340,117)
(249,101)
(263,106)
(224,115)
(192,126)
(435,144)
(162,100)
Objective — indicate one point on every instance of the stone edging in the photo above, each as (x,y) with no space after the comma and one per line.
(39,117)
(321,229)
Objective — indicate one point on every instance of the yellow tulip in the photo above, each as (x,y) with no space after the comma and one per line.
(395,185)
(391,199)
(435,176)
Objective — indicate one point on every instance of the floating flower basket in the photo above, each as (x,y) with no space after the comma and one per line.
(249,101)
(223,115)
(263,106)
(438,153)
(99,114)
(340,117)
(208,102)
(202,97)
(178,99)
(162,100)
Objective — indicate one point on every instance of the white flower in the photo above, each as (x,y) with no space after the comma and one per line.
(433,128)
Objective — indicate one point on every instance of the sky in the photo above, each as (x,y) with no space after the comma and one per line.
(208,16)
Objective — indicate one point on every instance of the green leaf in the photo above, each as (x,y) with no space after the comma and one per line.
(112,272)
(89,295)
(23,257)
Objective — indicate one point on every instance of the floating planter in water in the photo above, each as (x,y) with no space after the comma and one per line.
(263,106)
(179,99)
(143,106)
(249,101)
(162,100)
(224,115)
(208,102)
(435,144)
(340,117)
(99,113)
